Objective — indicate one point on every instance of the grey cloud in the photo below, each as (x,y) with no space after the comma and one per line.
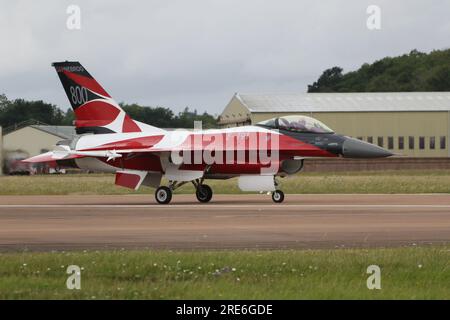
(198,53)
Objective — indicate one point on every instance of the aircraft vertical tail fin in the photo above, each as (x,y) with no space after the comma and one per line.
(95,111)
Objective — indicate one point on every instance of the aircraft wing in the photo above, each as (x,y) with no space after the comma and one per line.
(48,157)
(65,153)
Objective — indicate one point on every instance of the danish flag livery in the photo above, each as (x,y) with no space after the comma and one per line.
(108,140)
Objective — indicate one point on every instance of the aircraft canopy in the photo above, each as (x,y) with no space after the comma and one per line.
(296,123)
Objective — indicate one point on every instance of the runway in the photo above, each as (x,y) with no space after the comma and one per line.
(45,223)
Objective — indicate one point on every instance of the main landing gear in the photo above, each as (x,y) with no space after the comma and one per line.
(163,195)
(204,193)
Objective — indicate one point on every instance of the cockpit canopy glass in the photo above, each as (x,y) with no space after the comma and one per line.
(297,123)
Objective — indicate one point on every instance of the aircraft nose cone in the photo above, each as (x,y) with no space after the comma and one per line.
(353,148)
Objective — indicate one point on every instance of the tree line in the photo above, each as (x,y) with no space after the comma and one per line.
(15,111)
(416,71)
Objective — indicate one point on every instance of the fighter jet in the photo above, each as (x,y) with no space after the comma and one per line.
(108,140)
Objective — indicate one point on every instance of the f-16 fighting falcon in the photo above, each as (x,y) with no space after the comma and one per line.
(108,140)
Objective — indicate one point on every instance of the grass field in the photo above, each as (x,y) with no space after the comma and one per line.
(431,181)
(406,273)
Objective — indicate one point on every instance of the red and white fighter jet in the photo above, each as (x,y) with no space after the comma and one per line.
(108,140)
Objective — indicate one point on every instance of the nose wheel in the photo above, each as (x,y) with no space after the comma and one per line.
(278,196)
(204,193)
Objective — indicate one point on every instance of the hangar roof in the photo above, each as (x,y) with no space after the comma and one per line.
(65,132)
(342,102)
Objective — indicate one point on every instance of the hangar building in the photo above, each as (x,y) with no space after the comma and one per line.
(35,139)
(28,139)
(413,124)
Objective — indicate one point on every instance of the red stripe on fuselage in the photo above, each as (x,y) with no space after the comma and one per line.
(292,147)
(142,162)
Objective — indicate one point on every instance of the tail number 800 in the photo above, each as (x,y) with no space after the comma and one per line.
(79,95)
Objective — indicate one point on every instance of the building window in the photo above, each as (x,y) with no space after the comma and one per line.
(390,143)
(370,139)
(401,143)
(432,143)
(380,141)
(411,142)
(442,142)
(421,143)
(359,138)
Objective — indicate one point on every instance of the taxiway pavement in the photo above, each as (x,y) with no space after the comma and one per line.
(45,223)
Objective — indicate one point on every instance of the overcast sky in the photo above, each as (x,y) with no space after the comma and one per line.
(198,53)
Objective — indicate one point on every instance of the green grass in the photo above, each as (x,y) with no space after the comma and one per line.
(412,181)
(406,273)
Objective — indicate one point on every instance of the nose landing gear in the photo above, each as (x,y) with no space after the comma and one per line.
(278,196)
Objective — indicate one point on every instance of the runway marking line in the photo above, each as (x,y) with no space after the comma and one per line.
(184,206)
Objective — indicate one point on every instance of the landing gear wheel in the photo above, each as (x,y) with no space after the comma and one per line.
(204,193)
(278,196)
(163,195)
